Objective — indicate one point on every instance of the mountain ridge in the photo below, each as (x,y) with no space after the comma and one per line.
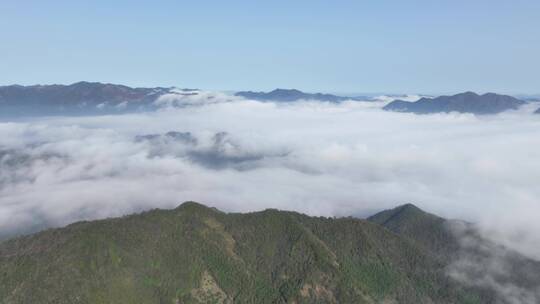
(467,102)
(198,254)
(290,95)
(81,97)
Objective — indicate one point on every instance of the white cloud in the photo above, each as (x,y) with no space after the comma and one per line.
(407,97)
(187,97)
(483,264)
(318,158)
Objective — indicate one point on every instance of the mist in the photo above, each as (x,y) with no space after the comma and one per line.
(238,155)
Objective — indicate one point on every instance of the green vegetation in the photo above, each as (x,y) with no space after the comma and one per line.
(425,229)
(196,254)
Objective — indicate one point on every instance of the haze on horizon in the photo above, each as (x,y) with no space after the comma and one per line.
(345,46)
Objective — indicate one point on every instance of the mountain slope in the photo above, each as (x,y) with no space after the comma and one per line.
(468,102)
(468,257)
(284,95)
(430,231)
(196,254)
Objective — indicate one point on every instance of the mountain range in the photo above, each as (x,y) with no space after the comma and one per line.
(78,98)
(468,102)
(289,95)
(91,98)
(197,254)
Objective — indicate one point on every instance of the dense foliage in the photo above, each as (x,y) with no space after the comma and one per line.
(196,254)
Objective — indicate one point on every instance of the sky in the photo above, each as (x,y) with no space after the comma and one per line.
(333,46)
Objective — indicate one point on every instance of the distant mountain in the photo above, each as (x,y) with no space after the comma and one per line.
(537,111)
(468,102)
(90,98)
(78,98)
(196,254)
(284,95)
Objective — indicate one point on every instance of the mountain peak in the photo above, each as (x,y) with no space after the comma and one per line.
(425,229)
(405,210)
(86,84)
(191,205)
(83,82)
(290,91)
(469,94)
(409,206)
(396,217)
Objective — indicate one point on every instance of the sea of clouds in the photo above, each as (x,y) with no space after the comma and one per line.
(332,159)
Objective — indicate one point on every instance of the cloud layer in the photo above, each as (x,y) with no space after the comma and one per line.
(239,155)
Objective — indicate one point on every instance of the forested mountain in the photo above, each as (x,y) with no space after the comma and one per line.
(196,254)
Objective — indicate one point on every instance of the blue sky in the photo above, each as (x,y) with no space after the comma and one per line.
(334,46)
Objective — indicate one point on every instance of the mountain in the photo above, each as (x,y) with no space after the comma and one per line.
(90,98)
(78,98)
(197,254)
(468,257)
(284,95)
(537,111)
(429,230)
(468,102)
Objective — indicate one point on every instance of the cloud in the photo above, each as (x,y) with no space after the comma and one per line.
(216,151)
(350,158)
(507,275)
(407,97)
(191,97)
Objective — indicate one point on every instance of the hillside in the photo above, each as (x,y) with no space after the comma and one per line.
(430,231)
(468,102)
(196,254)
(469,257)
